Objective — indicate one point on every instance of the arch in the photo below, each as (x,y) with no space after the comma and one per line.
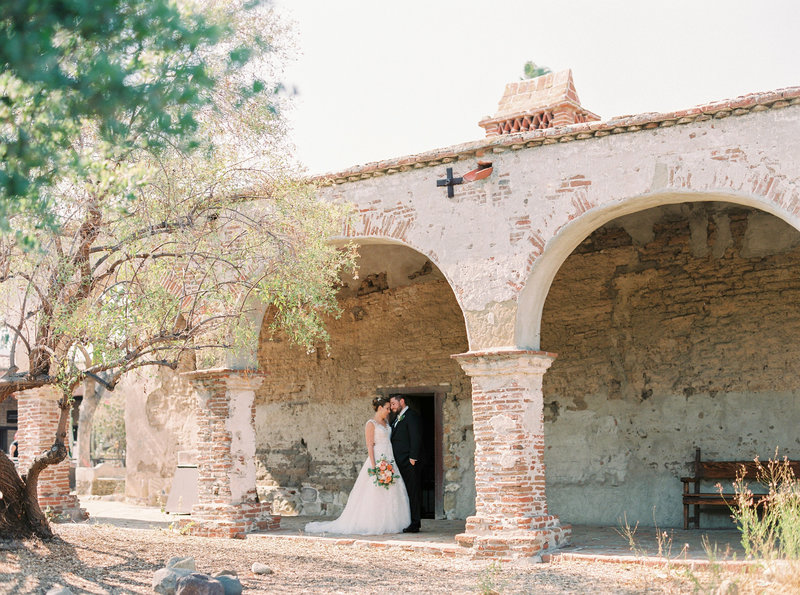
(256,310)
(674,327)
(400,324)
(530,304)
(367,240)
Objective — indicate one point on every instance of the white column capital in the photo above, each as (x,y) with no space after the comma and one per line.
(505,362)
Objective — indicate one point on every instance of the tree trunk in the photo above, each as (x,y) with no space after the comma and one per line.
(13,503)
(92,394)
(20,514)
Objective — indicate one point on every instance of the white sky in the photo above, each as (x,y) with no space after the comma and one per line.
(378,79)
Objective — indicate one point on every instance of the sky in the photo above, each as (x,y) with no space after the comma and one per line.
(377,79)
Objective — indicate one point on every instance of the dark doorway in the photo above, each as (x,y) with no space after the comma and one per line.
(427,401)
(424,404)
(8,424)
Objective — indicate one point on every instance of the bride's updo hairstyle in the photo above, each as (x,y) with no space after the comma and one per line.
(378,402)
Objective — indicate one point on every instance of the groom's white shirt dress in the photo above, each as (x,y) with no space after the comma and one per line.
(399,415)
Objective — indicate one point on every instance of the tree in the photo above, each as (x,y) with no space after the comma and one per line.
(531,70)
(161,248)
(129,68)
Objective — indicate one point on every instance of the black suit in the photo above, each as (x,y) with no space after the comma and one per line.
(407,444)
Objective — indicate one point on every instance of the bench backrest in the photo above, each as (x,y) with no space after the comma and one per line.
(731,469)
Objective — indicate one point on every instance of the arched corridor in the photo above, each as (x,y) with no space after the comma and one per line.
(399,325)
(675,329)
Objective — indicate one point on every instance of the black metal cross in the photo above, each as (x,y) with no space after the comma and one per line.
(449,182)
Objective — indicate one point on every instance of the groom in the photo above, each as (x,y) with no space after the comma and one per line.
(407,447)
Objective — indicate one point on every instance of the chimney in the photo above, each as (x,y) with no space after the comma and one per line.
(546,101)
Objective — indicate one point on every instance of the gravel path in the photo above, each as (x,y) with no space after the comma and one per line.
(105,559)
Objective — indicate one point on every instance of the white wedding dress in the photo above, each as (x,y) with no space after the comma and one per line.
(371,509)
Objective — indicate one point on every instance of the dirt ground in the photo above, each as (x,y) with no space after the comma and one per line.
(106,559)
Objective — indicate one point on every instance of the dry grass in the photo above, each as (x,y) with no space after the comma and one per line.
(105,559)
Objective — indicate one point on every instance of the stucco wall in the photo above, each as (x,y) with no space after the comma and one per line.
(499,240)
(311,408)
(676,328)
(160,422)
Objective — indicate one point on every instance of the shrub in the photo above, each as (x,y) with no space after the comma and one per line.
(769,522)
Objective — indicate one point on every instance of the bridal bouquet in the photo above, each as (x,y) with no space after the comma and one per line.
(383,473)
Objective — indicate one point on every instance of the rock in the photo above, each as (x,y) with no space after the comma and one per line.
(312,508)
(59,590)
(308,494)
(230,584)
(259,568)
(165,580)
(178,562)
(226,572)
(199,584)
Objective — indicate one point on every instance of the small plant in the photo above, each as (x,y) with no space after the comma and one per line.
(663,539)
(162,502)
(54,517)
(177,527)
(488,582)
(769,523)
(531,70)
(629,534)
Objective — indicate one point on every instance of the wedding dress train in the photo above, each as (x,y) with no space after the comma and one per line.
(371,509)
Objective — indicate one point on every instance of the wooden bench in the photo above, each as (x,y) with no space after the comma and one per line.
(722,472)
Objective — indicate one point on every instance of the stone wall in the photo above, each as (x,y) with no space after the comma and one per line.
(311,408)
(675,328)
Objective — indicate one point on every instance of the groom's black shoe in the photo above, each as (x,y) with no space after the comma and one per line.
(411,529)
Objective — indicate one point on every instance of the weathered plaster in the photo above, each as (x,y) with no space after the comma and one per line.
(515,228)
(494,325)
(160,423)
(664,348)
(243,439)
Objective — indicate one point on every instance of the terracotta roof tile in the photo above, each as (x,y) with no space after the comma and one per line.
(586,131)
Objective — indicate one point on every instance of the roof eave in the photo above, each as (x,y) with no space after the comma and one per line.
(742,105)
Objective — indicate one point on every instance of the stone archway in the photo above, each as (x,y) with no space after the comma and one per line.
(674,327)
(544,267)
(399,326)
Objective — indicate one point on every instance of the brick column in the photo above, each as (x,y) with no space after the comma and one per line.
(38,414)
(227,503)
(511,517)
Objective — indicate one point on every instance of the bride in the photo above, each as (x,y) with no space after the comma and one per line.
(372,509)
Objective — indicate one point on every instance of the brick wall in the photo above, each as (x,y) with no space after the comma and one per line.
(311,408)
(39,414)
(676,328)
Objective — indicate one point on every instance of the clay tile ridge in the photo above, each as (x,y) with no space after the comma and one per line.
(549,92)
(739,106)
